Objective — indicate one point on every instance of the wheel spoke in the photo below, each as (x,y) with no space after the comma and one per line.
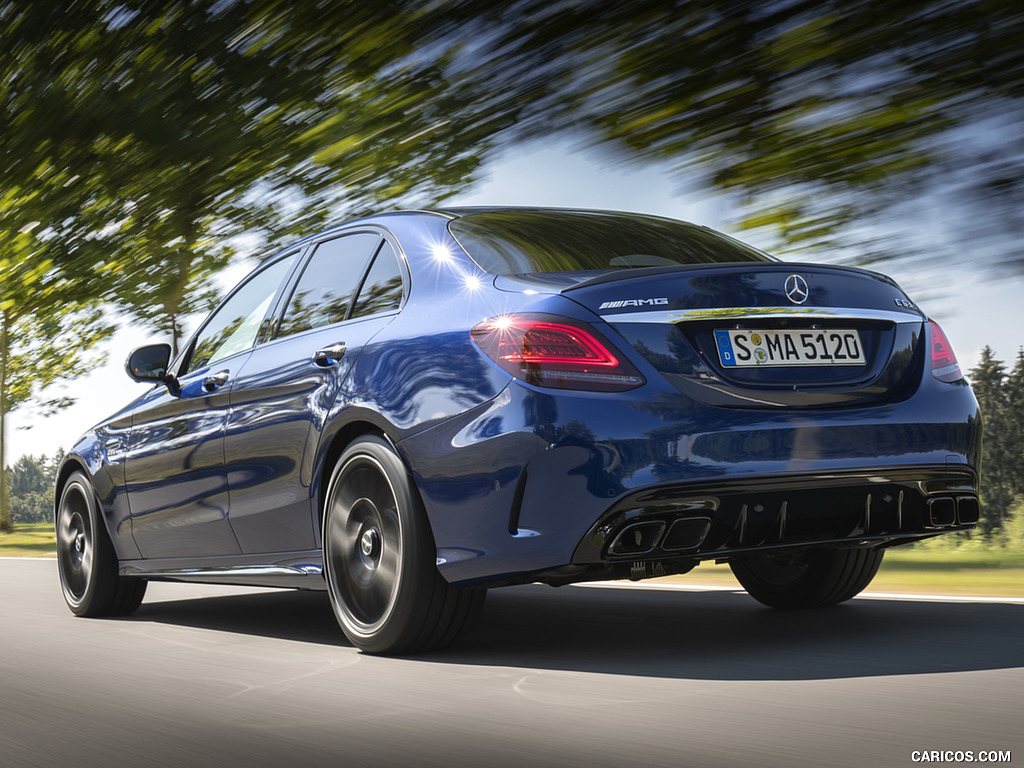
(86,566)
(66,536)
(74,546)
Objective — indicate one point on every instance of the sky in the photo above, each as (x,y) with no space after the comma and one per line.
(974,311)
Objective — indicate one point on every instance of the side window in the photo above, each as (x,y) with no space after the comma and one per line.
(324,292)
(233,326)
(382,290)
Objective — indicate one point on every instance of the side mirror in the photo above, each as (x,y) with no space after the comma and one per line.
(149,364)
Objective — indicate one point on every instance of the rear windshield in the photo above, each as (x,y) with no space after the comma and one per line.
(518,242)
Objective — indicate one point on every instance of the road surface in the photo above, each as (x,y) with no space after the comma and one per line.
(576,676)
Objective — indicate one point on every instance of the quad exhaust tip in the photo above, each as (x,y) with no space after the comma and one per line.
(968,509)
(945,511)
(641,538)
(638,538)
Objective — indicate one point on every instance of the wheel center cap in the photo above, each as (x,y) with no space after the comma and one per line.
(369,543)
(80,543)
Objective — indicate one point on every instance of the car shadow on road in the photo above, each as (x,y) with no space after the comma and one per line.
(711,635)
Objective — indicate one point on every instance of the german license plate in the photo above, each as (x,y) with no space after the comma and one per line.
(779,348)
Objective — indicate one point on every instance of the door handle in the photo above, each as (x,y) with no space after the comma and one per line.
(215,382)
(329,356)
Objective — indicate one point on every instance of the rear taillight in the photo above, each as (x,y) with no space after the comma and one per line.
(944,363)
(555,352)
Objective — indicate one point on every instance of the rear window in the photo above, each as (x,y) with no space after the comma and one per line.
(518,242)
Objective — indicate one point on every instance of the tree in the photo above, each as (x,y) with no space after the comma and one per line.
(259,119)
(988,380)
(47,331)
(53,222)
(826,121)
(1015,427)
(31,488)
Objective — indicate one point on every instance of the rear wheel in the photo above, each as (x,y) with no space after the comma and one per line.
(814,578)
(86,559)
(380,558)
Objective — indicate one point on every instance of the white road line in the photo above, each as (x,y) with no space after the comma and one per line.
(940,598)
(862,596)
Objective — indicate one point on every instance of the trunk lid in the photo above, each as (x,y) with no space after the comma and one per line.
(759,335)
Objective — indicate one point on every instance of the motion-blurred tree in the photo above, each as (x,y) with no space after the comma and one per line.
(827,121)
(47,330)
(261,118)
(53,221)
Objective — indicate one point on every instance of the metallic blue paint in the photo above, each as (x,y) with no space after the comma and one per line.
(228,485)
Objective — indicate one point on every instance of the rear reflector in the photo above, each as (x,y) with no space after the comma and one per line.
(555,352)
(944,363)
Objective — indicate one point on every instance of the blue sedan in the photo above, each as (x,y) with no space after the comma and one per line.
(411,408)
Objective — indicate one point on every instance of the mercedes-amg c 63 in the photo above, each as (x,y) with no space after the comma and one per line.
(411,408)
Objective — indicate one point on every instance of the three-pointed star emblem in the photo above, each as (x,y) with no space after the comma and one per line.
(796,289)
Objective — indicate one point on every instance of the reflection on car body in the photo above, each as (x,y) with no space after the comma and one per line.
(414,407)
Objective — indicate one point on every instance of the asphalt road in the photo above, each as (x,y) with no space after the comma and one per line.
(577,676)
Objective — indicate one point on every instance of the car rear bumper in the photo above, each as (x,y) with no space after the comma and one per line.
(716,519)
(536,481)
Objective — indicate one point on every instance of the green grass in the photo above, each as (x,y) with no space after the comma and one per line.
(29,540)
(935,571)
(948,570)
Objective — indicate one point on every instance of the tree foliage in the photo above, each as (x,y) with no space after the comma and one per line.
(1002,448)
(1014,426)
(827,121)
(258,118)
(54,221)
(31,488)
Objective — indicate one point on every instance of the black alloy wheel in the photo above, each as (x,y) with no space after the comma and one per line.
(380,558)
(86,559)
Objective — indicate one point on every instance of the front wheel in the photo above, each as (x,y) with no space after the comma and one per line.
(811,579)
(86,559)
(380,558)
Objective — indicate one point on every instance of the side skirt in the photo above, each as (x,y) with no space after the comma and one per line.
(288,570)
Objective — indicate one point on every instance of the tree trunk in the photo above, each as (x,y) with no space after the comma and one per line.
(5,507)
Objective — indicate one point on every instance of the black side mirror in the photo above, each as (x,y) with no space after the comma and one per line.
(149,364)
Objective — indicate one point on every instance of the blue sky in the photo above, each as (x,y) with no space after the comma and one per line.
(973,311)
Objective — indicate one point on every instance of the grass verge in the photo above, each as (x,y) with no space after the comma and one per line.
(29,540)
(994,573)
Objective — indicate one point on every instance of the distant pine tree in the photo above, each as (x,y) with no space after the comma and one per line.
(1015,426)
(989,382)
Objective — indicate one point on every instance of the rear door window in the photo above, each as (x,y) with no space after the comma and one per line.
(323,295)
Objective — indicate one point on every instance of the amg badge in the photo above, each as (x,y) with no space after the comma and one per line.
(633,303)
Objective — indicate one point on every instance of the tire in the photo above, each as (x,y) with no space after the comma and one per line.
(86,559)
(380,558)
(814,578)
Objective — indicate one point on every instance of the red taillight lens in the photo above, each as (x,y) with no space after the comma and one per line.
(944,363)
(555,352)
